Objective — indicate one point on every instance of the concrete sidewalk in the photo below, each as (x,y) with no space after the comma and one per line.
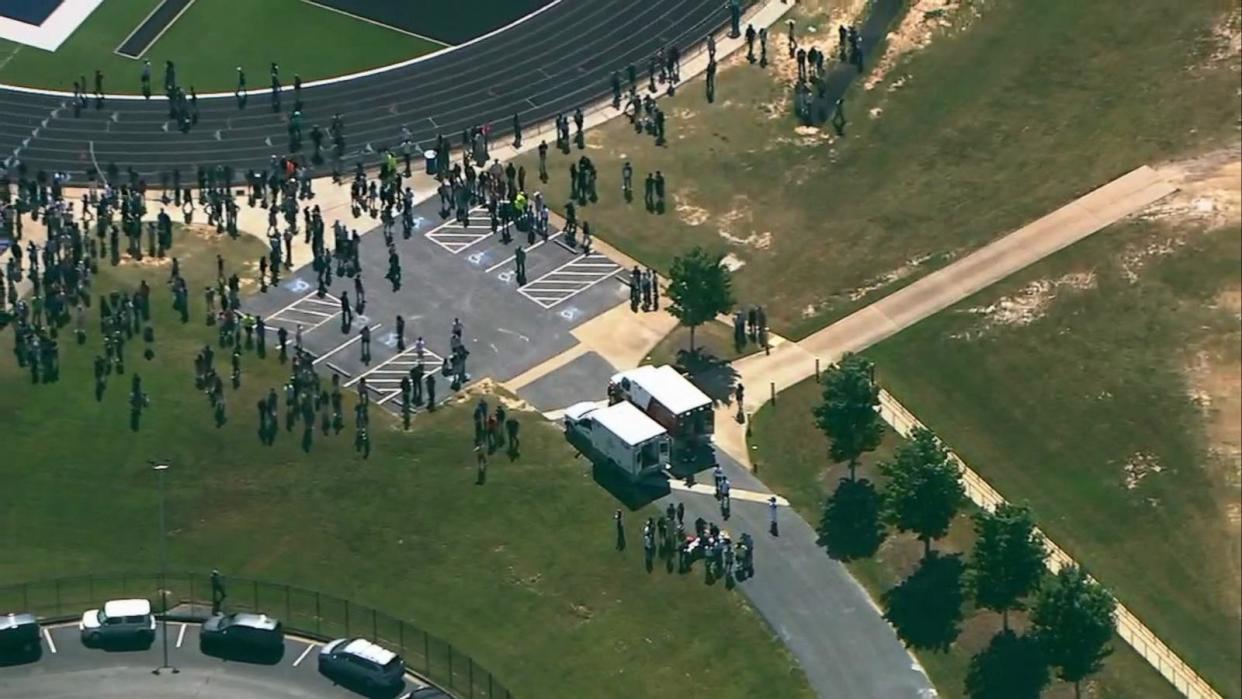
(790,363)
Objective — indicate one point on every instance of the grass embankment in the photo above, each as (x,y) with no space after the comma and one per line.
(798,469)
(520,573)
(1027,107)
(1102,386)
(208,43)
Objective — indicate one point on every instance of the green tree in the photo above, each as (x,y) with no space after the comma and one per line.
(924,490)
(1011,667)
(848,416)
(699,289)
(1008,560)
(1073,620)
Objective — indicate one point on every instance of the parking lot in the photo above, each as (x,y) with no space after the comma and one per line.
(448,271)
(66,668)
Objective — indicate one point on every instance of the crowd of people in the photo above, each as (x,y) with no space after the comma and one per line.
(667,537)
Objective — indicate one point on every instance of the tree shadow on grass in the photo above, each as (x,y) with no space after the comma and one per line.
(850,527)
(1011,667)
(926,608)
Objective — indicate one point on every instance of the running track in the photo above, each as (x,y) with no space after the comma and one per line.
(558,60)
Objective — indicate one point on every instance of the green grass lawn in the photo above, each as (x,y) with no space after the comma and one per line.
(208,42)
(1033,105)
(519,573)
(799,470)
(1104,412)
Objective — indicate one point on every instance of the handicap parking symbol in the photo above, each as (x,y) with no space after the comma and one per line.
(418,222)
(364,319)
(476,258)
(506,276)
(297,285)
(390,340)
(570,313)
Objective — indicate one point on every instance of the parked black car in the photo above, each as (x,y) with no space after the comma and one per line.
(242,634)
(19,636)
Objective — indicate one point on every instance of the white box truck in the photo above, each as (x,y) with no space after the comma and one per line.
(672,401)
(620,436)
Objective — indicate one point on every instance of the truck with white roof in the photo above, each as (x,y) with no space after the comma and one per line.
(620,436)
(672,401)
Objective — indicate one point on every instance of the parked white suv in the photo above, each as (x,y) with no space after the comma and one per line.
(119,621)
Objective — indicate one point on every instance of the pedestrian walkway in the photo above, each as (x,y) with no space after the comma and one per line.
(790,362)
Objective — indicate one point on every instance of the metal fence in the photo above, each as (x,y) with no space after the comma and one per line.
(304,612)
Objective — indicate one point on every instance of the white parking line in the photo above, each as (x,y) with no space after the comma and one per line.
(345,344)
(510,258)
(181,635)
(430,359)
(304,654)
(304,298)
(47,636)
(309,312)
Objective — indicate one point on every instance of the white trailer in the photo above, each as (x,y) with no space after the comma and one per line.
(672,401)
(618,435)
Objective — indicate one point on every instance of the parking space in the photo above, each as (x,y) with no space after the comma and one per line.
(308,311)
(68,668)
(454,237)
(449,272)
(570,279)
(384,379)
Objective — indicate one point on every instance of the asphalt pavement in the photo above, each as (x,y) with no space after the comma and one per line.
(66,669)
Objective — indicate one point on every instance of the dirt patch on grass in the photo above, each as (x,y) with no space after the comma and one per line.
(690,214)
(1027,305)
(888,278)
(1214,377)
(736,226)
(920,26)
(1226,42)
(1209,197)
(1209,190)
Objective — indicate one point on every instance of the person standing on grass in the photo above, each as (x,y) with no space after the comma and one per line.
(480,460)
(616,518)
(511,429)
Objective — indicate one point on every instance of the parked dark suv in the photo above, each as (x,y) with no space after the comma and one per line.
(19,637)
(242,634)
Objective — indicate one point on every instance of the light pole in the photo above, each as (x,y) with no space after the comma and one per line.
(160,467)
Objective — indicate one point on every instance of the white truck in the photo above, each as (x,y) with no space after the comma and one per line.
(620,436)
(676,404)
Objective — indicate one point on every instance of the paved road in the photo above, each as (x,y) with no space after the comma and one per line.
(813,604)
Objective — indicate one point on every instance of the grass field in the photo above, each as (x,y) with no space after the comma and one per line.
(520,573)
(1110,405)
(994,125)
(799,470)
(209,42)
